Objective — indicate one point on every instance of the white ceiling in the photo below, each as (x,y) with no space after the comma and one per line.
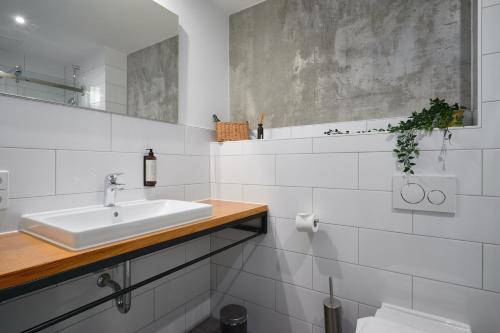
(71,28)
(234,6)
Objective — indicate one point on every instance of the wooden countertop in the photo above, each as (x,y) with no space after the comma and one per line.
(24,258)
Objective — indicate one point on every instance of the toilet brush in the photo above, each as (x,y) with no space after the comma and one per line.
(333,312)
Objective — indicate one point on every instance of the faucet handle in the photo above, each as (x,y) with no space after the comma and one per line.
(112,178)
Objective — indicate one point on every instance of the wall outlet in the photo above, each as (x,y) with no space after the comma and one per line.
(4,180)
(4,199)
(425,193)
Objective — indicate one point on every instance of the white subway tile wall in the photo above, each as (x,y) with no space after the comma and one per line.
(491,176)
(30,124)
(57,157)
(439,263)
(373,252)
(491,267)
(164,138)
(377,169)
(491,72)
(491,24)
(24,180)
(439,259)
(318,170)
(473,306)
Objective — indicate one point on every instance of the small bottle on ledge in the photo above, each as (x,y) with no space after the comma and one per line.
(260,128)
(150,169)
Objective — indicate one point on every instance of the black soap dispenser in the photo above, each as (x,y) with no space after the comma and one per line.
(150,169)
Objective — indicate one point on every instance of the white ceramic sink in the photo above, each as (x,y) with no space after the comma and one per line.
(85,227)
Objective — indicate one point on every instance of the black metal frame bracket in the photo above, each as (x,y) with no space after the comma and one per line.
(67,275)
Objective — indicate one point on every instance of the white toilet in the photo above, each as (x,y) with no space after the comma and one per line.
(394,319)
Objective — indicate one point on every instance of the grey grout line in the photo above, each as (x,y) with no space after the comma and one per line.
(412,293)
(482,172)
(450,148)
(275,295)
(275,169)
(412,276)
(482,266)
(358,231)
(492,5)
(488,54)
(492,100)
(407,233)
(28,148)
(312,272)
(389,231)
(154,304)
(488,102)
(55,172)
(342,189)
(413,222)
(99,191)
(367,266)
(233,155)
(108,151)
(359,170)
(111,132)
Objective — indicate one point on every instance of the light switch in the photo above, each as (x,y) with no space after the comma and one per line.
(424,193)
(4,180)
(4,199)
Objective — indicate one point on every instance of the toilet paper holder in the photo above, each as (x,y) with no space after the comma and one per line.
(306,222)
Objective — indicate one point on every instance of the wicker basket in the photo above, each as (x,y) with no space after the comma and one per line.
(231,131)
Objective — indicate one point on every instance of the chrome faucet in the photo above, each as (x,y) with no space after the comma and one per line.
(111,186)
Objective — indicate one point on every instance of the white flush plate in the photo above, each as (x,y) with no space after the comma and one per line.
(425,193)
(4,180)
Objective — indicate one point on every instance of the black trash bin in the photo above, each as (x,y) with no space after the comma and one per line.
(233,319)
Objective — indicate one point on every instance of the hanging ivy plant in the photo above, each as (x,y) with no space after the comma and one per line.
(439,115)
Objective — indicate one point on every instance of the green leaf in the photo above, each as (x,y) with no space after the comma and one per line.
(439,114)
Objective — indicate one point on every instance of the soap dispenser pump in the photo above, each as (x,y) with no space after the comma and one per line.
(150,169)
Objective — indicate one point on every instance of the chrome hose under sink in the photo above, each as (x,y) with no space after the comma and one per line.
(123,302)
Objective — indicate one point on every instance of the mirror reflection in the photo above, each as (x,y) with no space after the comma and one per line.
(119,56)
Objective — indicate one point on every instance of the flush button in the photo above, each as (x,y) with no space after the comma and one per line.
(436,197)
(412,193)
(425,193)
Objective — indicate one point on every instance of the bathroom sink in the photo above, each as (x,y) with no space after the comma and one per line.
(85,227)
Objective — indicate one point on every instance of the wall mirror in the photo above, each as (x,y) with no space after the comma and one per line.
(319,61)
(119,56)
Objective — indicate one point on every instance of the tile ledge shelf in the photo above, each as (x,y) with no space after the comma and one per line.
(471,127)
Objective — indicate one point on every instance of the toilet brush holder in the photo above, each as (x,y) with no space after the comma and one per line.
(333,313)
